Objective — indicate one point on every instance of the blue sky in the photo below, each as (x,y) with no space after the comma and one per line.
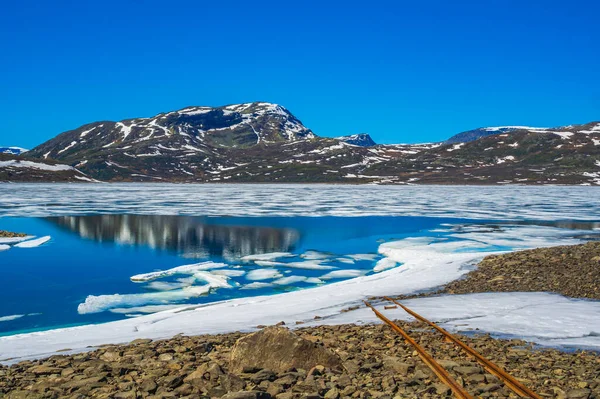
(403,71)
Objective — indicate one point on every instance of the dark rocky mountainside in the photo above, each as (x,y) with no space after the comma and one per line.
(264,142)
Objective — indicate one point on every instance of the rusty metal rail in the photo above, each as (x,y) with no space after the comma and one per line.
(511,382)
(441,372)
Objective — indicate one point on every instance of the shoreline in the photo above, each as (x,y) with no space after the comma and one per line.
(422,270)
(375,363)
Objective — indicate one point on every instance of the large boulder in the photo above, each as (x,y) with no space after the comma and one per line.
(279,349)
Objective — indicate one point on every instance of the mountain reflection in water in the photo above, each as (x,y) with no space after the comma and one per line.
(193,237)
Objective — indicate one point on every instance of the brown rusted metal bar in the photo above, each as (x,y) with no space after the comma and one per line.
(511,382)
(441,372)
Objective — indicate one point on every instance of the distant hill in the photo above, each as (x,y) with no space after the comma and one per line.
(12,150)
(18,169)
(361,140)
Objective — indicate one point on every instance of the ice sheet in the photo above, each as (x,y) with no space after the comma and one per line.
(499,203)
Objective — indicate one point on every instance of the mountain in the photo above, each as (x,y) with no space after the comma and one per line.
(12,150)
(194,143)
(472,135)
(361,140)
(564,155)
(18,169)
(264,142)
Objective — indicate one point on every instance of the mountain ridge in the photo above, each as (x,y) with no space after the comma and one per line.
(265,142)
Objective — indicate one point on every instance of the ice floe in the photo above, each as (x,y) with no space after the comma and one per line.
(314,255)
(263,274)
(256,285)
(166,286)
(185,269)
(347,273)
(101,303)
(11,317)
(33,243)
(267,257)
(229,272)
(213,280)
(308,265)
(4,247)
(290,280)
(13,240)
(358,257)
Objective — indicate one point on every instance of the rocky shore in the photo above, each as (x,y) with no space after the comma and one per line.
(571,270)
(331,362)
(9,234)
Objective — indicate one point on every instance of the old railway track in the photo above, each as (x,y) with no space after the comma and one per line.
(459,391)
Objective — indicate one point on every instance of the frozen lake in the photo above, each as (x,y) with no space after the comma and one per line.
(127,251)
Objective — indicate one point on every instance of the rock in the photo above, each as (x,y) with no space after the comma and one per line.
(148,385)
(263,375)
(172,381)
(165,357)
(395,365)
(475,378)
(278,349)
(489,387)
(45,370)
(140,341)
(111,356)
(448,364)
(317,370)
(247,395)
(467,370)
(332,394)
(125,395)
(579,394)
(441,389)
(232,383)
